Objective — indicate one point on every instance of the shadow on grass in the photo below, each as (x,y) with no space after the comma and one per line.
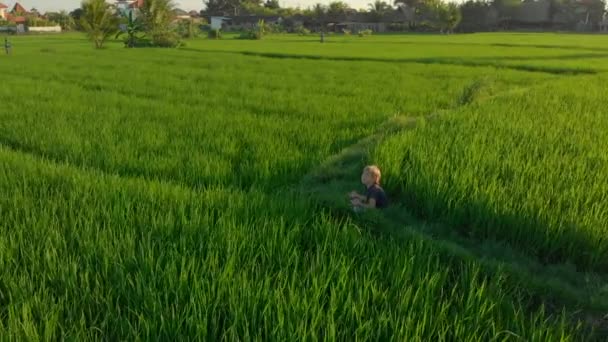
(556,286)
(471,62)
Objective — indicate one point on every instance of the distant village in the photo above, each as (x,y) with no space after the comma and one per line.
(337,16)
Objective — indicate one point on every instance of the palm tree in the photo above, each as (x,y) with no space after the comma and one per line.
(98,20)
(379,6)
(156,17)
(378,9)
(415,6)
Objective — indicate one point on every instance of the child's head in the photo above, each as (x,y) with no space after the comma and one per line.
(371,175)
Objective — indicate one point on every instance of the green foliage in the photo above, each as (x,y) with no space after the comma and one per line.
(364,33)
(98,21)
(169,207)
(517,168)
(256,33)
(302,31)
(64,20)
(215,34)
(157,17)
(36,21)
(448,16)
(188,28)
(134,30)
(378,9)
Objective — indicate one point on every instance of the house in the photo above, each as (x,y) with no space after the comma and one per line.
(18,10)
(17,15)
(137,4)
(122,6)
(128,7)
(181,14)
(3,8)
(247,22)
(603,25)
(357,21)
(216,22)
(359,26)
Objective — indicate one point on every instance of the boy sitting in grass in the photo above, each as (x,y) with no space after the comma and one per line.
(374,196)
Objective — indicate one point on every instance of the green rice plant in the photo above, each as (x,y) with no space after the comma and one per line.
(527,168)
(209,121)
(86,255)
(164,207)
(215,34)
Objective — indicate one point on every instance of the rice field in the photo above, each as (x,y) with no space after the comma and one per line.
(530,168)
(156,194)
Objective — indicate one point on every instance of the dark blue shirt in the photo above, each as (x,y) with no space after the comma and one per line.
(378,194)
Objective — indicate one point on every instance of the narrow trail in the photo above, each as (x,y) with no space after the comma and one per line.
(559,286)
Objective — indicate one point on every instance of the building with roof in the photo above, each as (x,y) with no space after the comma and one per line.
(603,25)
(137,4)
(3,9)
(18,10)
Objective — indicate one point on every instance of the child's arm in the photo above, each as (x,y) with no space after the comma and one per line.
(354,194)
(370,204)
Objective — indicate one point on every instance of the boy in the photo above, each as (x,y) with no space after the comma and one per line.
(375,196)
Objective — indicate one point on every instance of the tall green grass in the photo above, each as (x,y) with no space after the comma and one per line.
(212,119)
(149,193)
(92,256)
(528,168)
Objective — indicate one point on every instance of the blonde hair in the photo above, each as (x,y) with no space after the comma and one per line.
(374,171)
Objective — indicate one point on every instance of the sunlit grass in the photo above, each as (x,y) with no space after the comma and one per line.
(151,193)
(530,168)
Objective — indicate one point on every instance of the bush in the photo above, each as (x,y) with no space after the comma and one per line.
(346,32)
(165,38)
(186,28)
(256,33)
(367,32)
(274,28)
(215,34)
(398,27)
(250,34)
(302,31)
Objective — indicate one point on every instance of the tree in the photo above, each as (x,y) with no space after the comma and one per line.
(76,15)
(417,7)
(64,20)
(222,7)
(187,28)
(449,16)
(252,8)
(319,14)
(156,17)
(98,20)
(378,9)
(507,9)
(474,16)
(272,4)
(229,7)
(337,9)
(319,11)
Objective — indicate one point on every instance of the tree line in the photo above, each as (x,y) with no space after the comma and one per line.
(425,15)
